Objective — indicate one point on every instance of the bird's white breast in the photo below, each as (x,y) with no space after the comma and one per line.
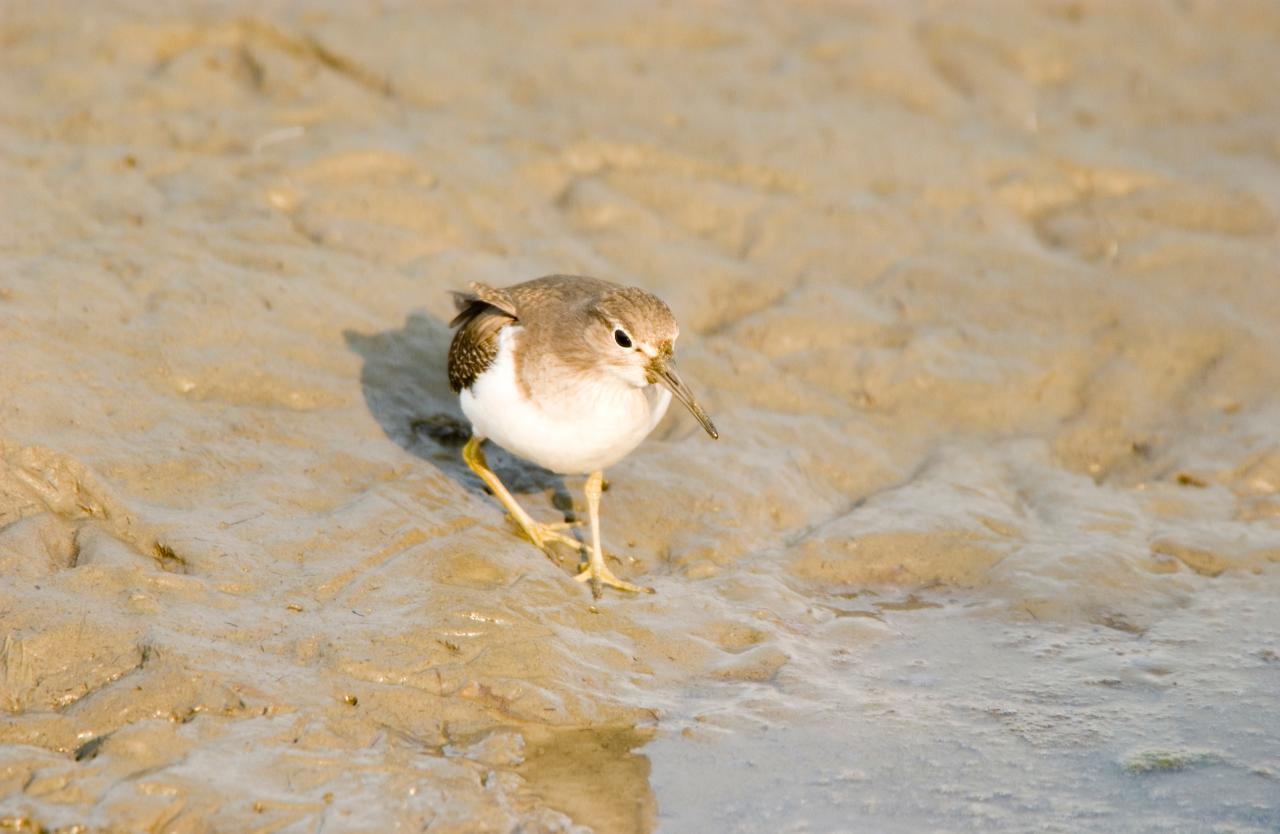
(588,424)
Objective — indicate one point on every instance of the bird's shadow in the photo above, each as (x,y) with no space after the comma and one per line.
(406,386)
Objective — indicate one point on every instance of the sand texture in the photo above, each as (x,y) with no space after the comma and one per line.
(984,299)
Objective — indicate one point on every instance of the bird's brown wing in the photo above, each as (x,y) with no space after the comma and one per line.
(481,316)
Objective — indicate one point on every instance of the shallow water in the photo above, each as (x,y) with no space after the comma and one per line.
(950,722)
(983,300)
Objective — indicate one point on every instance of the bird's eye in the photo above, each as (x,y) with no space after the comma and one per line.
(620,336)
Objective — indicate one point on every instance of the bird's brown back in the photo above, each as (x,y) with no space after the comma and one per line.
(483,312)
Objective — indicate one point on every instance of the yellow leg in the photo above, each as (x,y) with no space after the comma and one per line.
(597,573)
(540,534)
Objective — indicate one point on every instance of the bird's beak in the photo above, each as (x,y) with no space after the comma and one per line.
(662,368)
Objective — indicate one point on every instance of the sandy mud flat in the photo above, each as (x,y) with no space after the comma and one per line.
(984,298)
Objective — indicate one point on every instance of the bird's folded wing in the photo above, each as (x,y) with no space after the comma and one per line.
(475,346)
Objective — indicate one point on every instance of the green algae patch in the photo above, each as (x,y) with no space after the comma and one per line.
(1152,761)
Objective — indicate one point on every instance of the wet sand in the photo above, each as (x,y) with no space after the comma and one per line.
(983,298)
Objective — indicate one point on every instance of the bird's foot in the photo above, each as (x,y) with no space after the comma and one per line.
(599,575)
(563,525)
(544,535)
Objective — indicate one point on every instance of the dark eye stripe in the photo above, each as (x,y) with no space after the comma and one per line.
(622,338)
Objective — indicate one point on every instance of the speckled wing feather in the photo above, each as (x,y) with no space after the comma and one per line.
(481,315)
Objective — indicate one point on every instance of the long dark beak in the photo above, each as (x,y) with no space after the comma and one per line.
(663,369)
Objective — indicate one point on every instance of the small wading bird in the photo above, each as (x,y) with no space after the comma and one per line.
(570,373)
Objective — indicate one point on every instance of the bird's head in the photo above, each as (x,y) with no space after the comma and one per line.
(633,334)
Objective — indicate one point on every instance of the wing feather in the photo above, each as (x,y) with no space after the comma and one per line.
(481,316)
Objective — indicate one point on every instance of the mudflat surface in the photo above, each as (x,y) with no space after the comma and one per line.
(983,298)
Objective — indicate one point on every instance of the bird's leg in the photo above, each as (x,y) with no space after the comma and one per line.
(596,572)
(540,534)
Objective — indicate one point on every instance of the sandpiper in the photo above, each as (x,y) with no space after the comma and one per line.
(570,373)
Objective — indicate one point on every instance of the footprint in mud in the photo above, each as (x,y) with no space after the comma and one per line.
(37,546)
(734,637)
(56,515)
(751,657)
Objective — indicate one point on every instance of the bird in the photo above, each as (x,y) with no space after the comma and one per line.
(571,373)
